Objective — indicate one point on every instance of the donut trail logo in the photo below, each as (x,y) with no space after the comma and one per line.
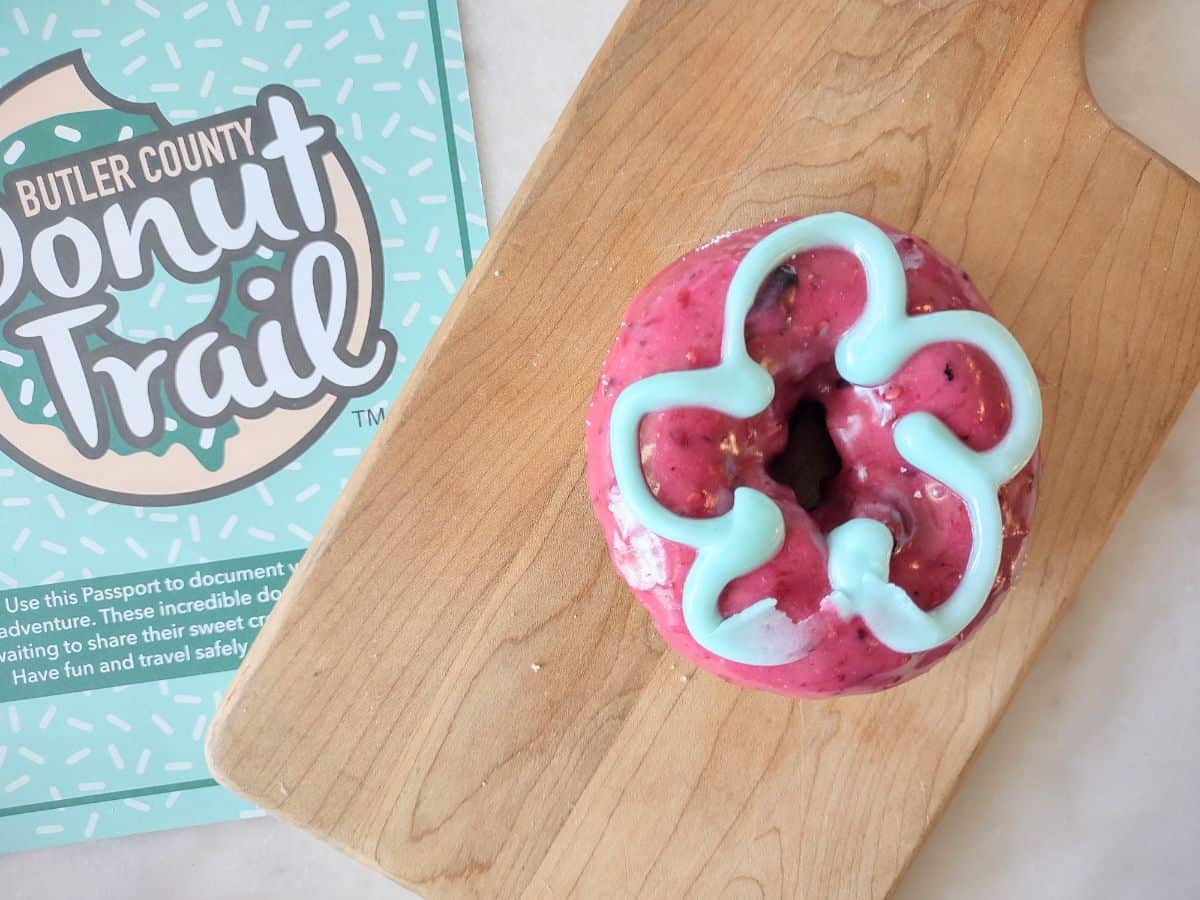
(183,309)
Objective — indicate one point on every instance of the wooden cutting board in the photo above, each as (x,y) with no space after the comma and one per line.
(456,687)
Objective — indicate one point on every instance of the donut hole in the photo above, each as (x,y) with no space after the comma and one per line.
(810,460)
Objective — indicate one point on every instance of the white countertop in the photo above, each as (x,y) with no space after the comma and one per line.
(1089,787)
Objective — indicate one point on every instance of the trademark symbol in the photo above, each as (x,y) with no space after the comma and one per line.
(368,417)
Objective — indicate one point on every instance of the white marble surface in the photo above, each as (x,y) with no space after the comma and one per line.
(1089,787)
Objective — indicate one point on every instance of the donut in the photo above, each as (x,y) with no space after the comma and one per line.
(812,451)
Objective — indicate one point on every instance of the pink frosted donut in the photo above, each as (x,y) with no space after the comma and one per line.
(693,458)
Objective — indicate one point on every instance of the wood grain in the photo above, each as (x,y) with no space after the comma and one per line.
(392,706)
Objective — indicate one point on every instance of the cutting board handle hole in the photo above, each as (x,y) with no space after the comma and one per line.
(1143,70)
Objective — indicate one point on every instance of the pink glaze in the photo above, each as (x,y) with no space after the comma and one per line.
(693,459)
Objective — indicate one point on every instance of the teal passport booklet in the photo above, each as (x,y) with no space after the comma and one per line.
(227,231)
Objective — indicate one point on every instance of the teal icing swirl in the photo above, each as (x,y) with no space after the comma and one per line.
(751,533)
